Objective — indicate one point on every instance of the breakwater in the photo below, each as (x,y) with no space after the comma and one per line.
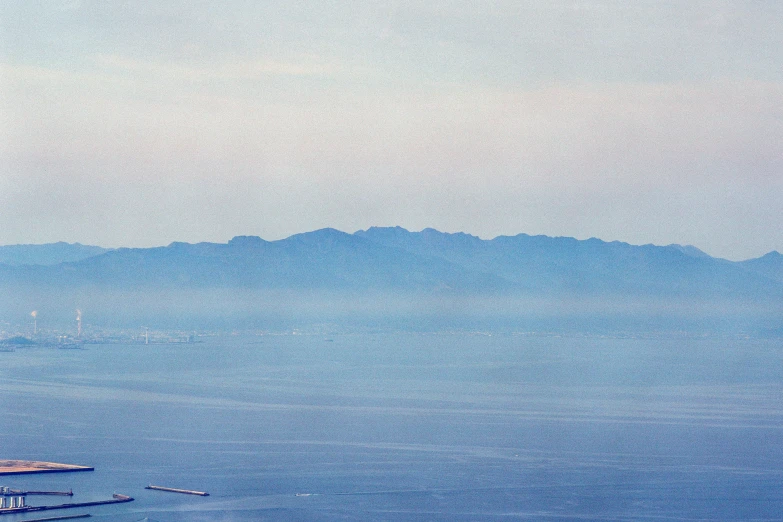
(116,499)
(64,517)
(176,490)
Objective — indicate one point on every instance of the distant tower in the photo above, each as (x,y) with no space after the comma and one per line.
(78,324)
(146,335)
(34,313)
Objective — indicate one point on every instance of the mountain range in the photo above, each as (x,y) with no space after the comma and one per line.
(391,265)
(48,254)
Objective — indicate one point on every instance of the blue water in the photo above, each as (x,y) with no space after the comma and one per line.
(404,427)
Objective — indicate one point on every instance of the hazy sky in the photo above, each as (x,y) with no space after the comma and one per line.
(140,123)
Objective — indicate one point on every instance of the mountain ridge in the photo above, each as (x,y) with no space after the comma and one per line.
(19,254)
(47,253)
(395,258)
(391,276)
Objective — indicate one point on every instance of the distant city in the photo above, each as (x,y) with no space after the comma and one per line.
(12,336)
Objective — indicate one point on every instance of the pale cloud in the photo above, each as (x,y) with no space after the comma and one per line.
(224,71)
(70,5)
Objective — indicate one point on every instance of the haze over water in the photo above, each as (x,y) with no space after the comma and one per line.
(405,427)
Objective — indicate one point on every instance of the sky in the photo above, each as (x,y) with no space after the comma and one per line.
(146,122)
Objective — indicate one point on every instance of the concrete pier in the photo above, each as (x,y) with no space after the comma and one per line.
(64,517)
(175,490)
(116,499)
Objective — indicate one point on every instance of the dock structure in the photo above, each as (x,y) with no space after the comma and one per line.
(12,501)
(64,517)
(176,490)
(15,507)
(68,493)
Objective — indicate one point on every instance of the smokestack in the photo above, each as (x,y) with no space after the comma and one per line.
(78,324)
(34,313)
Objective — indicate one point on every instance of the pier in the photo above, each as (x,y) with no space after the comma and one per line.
(175,490)
(4,490)
(64,517)
(15,508)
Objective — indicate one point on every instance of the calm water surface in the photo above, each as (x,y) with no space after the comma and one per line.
(404,427)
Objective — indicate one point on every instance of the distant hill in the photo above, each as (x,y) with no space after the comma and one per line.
(393,275)
(563,264)
(769,265)
(690,250)
(48,254)
(396,259)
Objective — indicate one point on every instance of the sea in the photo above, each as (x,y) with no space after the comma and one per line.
(367,426)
